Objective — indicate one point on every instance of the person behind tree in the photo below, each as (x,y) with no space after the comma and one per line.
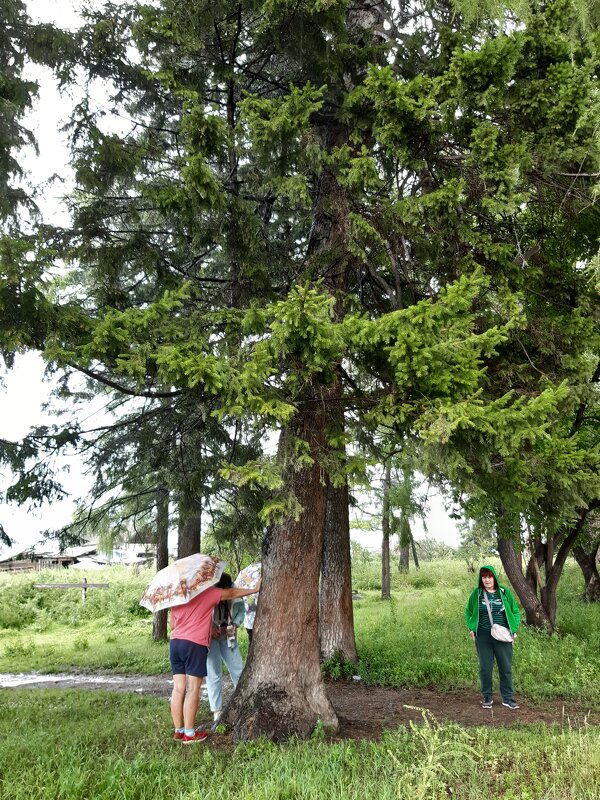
(505,612)
(188,650)
(252,572)
(227,616)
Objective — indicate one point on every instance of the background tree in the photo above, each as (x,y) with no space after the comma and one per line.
(478,542)
(407,499)
(543,249)
(159,618)
(386,527)
(585,553)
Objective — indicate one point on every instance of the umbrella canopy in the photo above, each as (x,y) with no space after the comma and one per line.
(181,581)
(247,579)
(249,576)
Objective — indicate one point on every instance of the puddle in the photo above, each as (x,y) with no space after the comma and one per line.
(11,681)
(156,685)
(149,684)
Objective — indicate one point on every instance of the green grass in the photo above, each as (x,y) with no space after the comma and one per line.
(74,745)
(71,745)
(417,639)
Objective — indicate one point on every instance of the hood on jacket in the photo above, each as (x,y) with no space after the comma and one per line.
(491,569)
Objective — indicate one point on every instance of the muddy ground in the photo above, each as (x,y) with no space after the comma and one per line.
(364,712)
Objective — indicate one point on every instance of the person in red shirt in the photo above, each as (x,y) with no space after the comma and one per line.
(188,648)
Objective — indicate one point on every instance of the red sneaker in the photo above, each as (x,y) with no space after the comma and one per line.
(178,735)
(199,736)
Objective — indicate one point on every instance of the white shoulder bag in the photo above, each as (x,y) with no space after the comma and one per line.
(499,632)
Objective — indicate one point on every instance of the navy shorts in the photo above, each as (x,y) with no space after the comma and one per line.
(188,658)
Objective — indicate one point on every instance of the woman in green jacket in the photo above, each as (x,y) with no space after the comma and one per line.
(490,598)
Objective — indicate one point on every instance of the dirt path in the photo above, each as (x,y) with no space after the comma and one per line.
(364,712)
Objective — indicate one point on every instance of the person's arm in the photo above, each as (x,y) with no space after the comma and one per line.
(470,611)
(231,594)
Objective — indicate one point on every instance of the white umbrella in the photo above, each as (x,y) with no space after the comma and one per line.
(248,578)
(181,581)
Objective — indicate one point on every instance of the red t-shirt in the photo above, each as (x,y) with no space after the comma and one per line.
(192,620)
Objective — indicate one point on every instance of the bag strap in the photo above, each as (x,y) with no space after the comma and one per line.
(487,603)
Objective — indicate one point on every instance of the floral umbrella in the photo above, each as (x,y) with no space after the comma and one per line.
(181,581)
(247,579)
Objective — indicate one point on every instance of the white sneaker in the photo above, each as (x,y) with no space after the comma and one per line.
(216,716)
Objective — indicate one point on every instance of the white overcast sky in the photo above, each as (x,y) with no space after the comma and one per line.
(25,391)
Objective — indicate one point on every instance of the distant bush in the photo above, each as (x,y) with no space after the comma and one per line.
(9,618)
(23,606)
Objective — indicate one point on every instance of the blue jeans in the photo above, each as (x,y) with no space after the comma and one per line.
(220,651)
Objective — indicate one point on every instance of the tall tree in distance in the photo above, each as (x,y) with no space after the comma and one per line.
(386,528)
(159,618)
(25,312)
(586,553)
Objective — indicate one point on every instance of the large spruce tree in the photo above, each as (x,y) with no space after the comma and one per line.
(325,217)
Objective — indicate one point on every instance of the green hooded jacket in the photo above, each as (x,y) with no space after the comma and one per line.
(513,615)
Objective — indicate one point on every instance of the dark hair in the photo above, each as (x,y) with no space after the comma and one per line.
(223,608)
(485,571)
(225,581)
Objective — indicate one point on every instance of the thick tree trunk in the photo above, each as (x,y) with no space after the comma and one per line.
(588,562)
(336,619)
(159,620)
(555,565)
(282,692)
(542,613)
(190,521)
(385,529)
(532,573)
(535,613)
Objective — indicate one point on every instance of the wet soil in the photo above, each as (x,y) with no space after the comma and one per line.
(364,712)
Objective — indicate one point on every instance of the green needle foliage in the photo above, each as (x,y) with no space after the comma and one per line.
(336,219)
(454,152)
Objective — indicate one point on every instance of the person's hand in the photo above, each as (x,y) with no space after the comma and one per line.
(216,632)
(472,634)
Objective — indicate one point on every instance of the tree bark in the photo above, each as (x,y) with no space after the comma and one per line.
(404,557)
(535,613)
(336,621)
(385,540)
(405,538)
(282,693)
(536,559)
(542,613)
(159,620)
(567,541)
(588,562)
(414,551)
(190,521)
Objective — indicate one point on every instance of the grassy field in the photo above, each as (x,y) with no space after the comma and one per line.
(66,745)
(73,745)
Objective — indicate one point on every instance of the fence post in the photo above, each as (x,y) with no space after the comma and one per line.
(83,592)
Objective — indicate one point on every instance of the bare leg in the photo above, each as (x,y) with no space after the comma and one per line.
(177,700)
(190,703)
